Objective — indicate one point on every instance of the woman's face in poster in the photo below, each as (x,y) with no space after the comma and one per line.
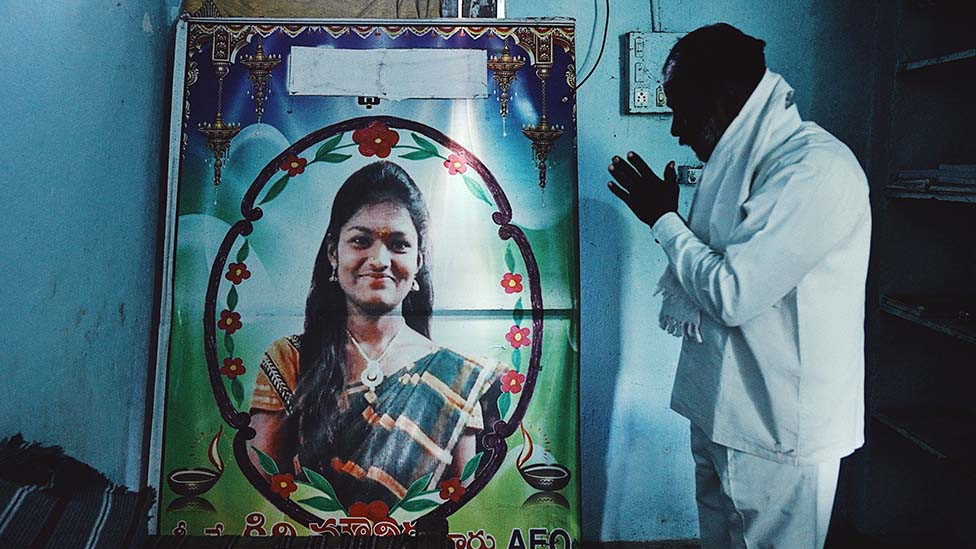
(377,255)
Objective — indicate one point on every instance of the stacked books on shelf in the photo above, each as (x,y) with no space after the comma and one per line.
(947,179)
(954,316)
(948,307)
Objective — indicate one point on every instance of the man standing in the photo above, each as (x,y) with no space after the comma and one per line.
(766,284)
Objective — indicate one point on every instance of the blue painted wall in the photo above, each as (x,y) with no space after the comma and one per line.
(85,90)
(82,140)
(637,469)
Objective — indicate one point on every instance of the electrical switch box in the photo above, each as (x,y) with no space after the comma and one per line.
(646,52)
(689,174)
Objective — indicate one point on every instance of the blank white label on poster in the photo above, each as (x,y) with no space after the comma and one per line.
(389,73)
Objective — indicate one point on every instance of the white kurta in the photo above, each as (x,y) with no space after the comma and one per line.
(776,258)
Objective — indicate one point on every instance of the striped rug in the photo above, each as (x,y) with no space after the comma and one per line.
(33,517)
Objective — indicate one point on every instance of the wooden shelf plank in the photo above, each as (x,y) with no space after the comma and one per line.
(943,432)
(922,195)
(939,60)
(960,329)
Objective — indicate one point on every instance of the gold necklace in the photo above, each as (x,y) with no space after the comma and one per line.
(373,375)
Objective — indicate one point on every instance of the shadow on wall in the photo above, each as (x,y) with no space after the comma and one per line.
(599,352)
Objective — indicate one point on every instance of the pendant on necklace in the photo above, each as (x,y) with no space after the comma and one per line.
(372,376)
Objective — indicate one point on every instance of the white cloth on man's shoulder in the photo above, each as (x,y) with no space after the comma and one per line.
(776,260)
(724,186)
(679,316)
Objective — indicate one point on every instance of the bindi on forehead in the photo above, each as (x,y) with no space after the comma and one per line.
(382,220)
(381,232)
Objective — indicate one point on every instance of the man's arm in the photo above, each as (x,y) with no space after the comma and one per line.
(792,221)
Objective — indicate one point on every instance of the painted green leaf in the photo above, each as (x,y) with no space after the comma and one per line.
(418,155)
(321,503)
(417,487)
(516,359)
(237,391)
(417,505)
(275,190)
(320,483)
(423,143)
(327,147)
(232,298)
(243,252)
(518,313)
(228,343)
(504,403)
(510,260)
(477,191)
(266,462)
(471,466)
(335,158)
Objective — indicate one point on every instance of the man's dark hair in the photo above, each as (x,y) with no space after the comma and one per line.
(716,62)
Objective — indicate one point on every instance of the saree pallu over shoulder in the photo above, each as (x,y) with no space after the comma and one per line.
(407,430)
(274,386)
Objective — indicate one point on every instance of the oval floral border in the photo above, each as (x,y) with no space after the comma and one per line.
(493,438)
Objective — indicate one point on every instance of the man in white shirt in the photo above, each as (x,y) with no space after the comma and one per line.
(766,284)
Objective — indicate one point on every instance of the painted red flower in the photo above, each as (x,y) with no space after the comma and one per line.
(375,511)
(233,367)
(283,485)
(294,165)
(518,337)
(229,321)
(375,139)
(237,272)
(512,282)
(456,164)
(512,382)
(451,489)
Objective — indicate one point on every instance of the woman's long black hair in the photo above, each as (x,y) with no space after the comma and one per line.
(319,392)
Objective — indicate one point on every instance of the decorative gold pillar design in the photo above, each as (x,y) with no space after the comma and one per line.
(219,133)
(503,68)
(543,135)
(259,67)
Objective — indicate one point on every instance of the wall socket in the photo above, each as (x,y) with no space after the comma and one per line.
(646,52)
(641,96)
(689,174)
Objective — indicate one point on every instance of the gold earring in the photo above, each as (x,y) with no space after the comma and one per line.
(415,287)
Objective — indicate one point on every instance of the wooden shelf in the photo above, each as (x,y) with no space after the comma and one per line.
(964,330)
(923,195)
(935,61)
(946,433)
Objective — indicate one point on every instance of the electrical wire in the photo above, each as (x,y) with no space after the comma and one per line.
(603,45)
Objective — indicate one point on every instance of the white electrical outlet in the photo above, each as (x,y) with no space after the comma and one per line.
(689,174)
(641,97)
(646,53)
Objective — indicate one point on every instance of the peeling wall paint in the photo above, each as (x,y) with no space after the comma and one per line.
(147,26)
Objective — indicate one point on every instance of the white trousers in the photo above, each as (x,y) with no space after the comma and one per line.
(748,502)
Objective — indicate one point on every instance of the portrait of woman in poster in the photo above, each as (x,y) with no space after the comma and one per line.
(362,395)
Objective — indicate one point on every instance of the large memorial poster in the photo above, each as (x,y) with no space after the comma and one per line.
(370,304)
